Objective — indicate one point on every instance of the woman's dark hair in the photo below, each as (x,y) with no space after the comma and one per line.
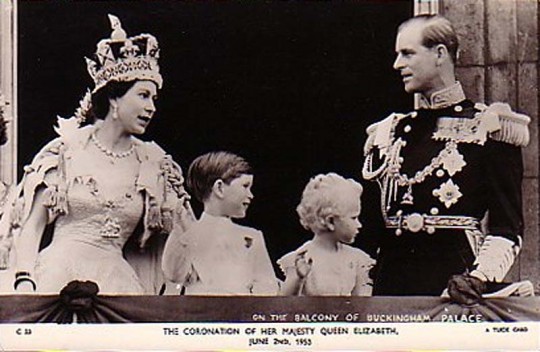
(100,99)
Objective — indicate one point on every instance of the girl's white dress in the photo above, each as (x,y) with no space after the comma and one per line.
(333,274)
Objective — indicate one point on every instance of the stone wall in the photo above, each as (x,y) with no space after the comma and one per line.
(499,62)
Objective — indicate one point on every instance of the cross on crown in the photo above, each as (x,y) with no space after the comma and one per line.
(122,58)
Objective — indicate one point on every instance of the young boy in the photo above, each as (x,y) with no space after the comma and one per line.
(326,265)
(215,256)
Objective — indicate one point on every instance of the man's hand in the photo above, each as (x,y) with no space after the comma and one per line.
(465,289)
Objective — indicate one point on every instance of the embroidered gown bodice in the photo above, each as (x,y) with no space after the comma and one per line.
(95,202)
(104,204)
(104,209)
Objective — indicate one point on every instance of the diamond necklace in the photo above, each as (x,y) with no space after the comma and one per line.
(110,153)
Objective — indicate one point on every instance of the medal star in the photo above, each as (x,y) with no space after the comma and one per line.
(453,162)
(448,193)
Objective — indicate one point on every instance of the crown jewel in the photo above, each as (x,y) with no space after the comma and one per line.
(120,58)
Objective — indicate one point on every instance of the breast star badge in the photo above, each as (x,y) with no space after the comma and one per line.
(448,193)
(453,162)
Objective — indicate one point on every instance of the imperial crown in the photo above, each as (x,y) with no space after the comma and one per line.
(120,58)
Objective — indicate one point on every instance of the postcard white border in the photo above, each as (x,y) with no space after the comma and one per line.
(172,336)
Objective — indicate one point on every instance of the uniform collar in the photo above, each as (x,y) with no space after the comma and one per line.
(443,98)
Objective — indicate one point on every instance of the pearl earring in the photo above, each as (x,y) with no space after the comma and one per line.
(115,112)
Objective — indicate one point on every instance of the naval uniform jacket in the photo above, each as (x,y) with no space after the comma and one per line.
(441,170)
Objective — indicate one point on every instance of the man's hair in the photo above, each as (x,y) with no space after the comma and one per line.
(437,30)
(323,197)
(206,169)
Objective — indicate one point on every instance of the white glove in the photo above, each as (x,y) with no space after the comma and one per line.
(495,258)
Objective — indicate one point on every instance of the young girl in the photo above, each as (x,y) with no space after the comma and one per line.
(326,265)
(216,256)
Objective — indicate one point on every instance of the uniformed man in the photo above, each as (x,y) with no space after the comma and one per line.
(441,169)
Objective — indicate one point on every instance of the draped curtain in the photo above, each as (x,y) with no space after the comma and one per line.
(147,309)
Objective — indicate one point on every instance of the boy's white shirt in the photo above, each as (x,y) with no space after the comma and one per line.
(218,257)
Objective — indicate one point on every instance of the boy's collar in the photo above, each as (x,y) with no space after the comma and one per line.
(214,218)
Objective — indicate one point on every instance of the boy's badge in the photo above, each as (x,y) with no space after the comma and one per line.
(249,241)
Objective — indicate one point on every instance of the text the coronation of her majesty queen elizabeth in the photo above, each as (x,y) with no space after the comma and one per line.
(279,335)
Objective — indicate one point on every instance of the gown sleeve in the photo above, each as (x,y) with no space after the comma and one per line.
(287,262)
(178,256)
(46,171)
(167,213)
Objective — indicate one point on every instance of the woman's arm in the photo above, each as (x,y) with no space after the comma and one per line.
(27,243)
(177,260)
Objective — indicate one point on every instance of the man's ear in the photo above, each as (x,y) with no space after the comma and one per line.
(442,53)
(218,187)
(329,222)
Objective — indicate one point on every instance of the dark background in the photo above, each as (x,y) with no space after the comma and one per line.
(290,86)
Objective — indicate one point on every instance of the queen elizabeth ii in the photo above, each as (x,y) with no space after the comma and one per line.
(95,184)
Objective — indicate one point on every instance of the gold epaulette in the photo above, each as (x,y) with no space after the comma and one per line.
(512,127)
(371,132)
(380,133)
